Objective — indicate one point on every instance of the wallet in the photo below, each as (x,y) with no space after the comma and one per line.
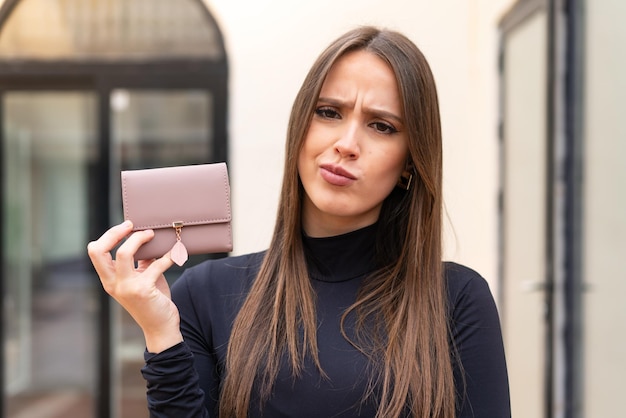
(188,207)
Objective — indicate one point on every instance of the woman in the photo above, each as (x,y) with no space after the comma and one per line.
(351,311)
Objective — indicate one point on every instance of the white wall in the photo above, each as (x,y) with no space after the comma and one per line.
(270,46)
(604,208)
(524,205)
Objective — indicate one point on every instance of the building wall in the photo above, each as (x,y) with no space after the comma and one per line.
(604,209)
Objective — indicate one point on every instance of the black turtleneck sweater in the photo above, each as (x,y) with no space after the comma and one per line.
(184,380)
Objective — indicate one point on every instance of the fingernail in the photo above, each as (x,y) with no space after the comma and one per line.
(127,224)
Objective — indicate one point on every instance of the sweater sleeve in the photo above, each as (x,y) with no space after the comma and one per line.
(479,368)
(181,381)
(172,380)
(185,381)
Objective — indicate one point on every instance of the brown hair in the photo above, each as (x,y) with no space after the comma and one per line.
(406,298)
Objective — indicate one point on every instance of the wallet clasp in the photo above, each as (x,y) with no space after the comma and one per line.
(178,253)
(178,227)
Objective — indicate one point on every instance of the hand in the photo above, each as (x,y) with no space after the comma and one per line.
(142,291)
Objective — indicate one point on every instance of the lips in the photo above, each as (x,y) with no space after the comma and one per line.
(336,175)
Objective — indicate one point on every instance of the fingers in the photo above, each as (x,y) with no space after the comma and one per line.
(113,236)
(113,273)
(100,250)
(142,291)
(125,255)
(160,265)
(157,266)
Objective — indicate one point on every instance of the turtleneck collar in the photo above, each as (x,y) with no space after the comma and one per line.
(342,257)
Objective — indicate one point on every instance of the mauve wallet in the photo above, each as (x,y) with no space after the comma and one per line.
(188,207)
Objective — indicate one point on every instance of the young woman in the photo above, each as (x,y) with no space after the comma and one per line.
(351,311)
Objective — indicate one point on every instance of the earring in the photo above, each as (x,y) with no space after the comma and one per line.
(404,182)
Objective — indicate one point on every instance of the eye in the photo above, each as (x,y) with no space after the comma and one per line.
(327,113)
(383,128)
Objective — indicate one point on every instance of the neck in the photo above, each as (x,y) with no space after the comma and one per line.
(317,223)
(342,257)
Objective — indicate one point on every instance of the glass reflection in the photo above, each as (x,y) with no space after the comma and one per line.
(49,299)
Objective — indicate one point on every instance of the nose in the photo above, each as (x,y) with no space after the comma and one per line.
(348,143)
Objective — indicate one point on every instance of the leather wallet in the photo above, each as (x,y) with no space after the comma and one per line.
(188,207)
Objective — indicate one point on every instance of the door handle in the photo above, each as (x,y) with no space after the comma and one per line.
(531,286)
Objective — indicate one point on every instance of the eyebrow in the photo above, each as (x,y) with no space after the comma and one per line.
(372,111)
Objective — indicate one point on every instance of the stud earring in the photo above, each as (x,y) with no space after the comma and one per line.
(405,180)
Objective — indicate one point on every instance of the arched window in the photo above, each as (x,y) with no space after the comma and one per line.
(89,88)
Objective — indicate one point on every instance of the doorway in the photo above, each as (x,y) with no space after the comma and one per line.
(68,126)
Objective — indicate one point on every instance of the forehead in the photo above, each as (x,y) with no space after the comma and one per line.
(360,62)
(363,76)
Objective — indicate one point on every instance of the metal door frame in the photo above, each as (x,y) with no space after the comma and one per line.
(563,285)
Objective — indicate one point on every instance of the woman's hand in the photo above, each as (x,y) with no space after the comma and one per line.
(142,290)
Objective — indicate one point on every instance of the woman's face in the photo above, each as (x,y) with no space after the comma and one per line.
(356,146)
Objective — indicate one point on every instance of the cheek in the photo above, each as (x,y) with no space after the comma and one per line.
(319,137)
(396,161)
(311,149)
(393,171)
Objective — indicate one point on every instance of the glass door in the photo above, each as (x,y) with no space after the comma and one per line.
(51,298)
(151,128)
(49,302)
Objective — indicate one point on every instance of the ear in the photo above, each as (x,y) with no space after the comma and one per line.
(406,178)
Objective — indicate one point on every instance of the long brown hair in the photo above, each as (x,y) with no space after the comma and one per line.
(406,298)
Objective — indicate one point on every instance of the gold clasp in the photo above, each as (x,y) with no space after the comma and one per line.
(178,226)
